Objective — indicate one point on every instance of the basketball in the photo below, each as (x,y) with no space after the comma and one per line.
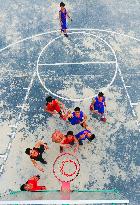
(57,136)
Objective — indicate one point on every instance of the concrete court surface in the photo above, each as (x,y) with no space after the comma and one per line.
(101,53)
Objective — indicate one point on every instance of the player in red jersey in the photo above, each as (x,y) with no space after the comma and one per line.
(32,185)
(54,106)
(66,141)
(69,140)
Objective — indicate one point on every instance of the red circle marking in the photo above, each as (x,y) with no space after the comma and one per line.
(62,168)
(74,174)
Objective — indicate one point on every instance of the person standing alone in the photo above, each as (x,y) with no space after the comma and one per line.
(63,14)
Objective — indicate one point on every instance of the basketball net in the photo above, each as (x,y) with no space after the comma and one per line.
(66,168)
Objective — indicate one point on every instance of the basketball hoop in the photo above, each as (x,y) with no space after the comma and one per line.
(66,168)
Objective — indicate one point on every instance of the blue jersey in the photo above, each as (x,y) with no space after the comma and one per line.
(81,133)
(99,104)
(76,120)
(63,19)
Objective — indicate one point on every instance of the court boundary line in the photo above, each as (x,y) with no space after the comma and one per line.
(65,202)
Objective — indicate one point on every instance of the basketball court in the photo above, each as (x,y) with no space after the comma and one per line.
(73,70)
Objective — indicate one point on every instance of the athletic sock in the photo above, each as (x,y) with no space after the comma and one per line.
(80,142)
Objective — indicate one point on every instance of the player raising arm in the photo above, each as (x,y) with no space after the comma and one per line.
(36,154)
(69,140)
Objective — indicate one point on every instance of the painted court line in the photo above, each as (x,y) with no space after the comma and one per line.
(134,113)
(19,106)
(78,99)
(138,123)
(2,155)
(78,63)
(13,126)
(67,202)
(134,104)
(50,32)
(128,96)
(13,133)
(74,29)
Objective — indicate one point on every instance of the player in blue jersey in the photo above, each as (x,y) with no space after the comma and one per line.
(63,14)
(78,117)
(98,106)
(85,134)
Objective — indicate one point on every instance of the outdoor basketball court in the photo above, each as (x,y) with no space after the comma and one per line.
(74,70)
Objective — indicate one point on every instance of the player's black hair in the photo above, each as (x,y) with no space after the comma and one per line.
(69,133)
(62,4)
(38,176)
(77,109)
(27,151)
(101,94)
(22,188)
(49,99)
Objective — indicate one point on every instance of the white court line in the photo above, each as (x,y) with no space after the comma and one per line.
(2,155)
(138,123)
(88,201)
(77,63)
(19,106)
(13,133)
(50,32)
(13,126)
(128,96)
(74,29)
(134,104)
(134,113)
(77,99)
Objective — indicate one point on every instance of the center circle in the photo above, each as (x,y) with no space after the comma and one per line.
(40,64)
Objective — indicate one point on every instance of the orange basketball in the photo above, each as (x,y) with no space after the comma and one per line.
(57,136)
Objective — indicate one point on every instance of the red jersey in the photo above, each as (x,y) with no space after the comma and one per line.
(68,140)
(54,105)
(35,187)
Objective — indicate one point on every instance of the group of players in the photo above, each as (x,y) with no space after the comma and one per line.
(55,107)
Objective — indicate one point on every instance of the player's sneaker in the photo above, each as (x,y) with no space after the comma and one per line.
(66,35)
(103,119)
(91,138)
(63,117)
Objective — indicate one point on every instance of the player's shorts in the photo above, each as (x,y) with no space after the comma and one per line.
(99,109)
(74,123)
(64,25)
